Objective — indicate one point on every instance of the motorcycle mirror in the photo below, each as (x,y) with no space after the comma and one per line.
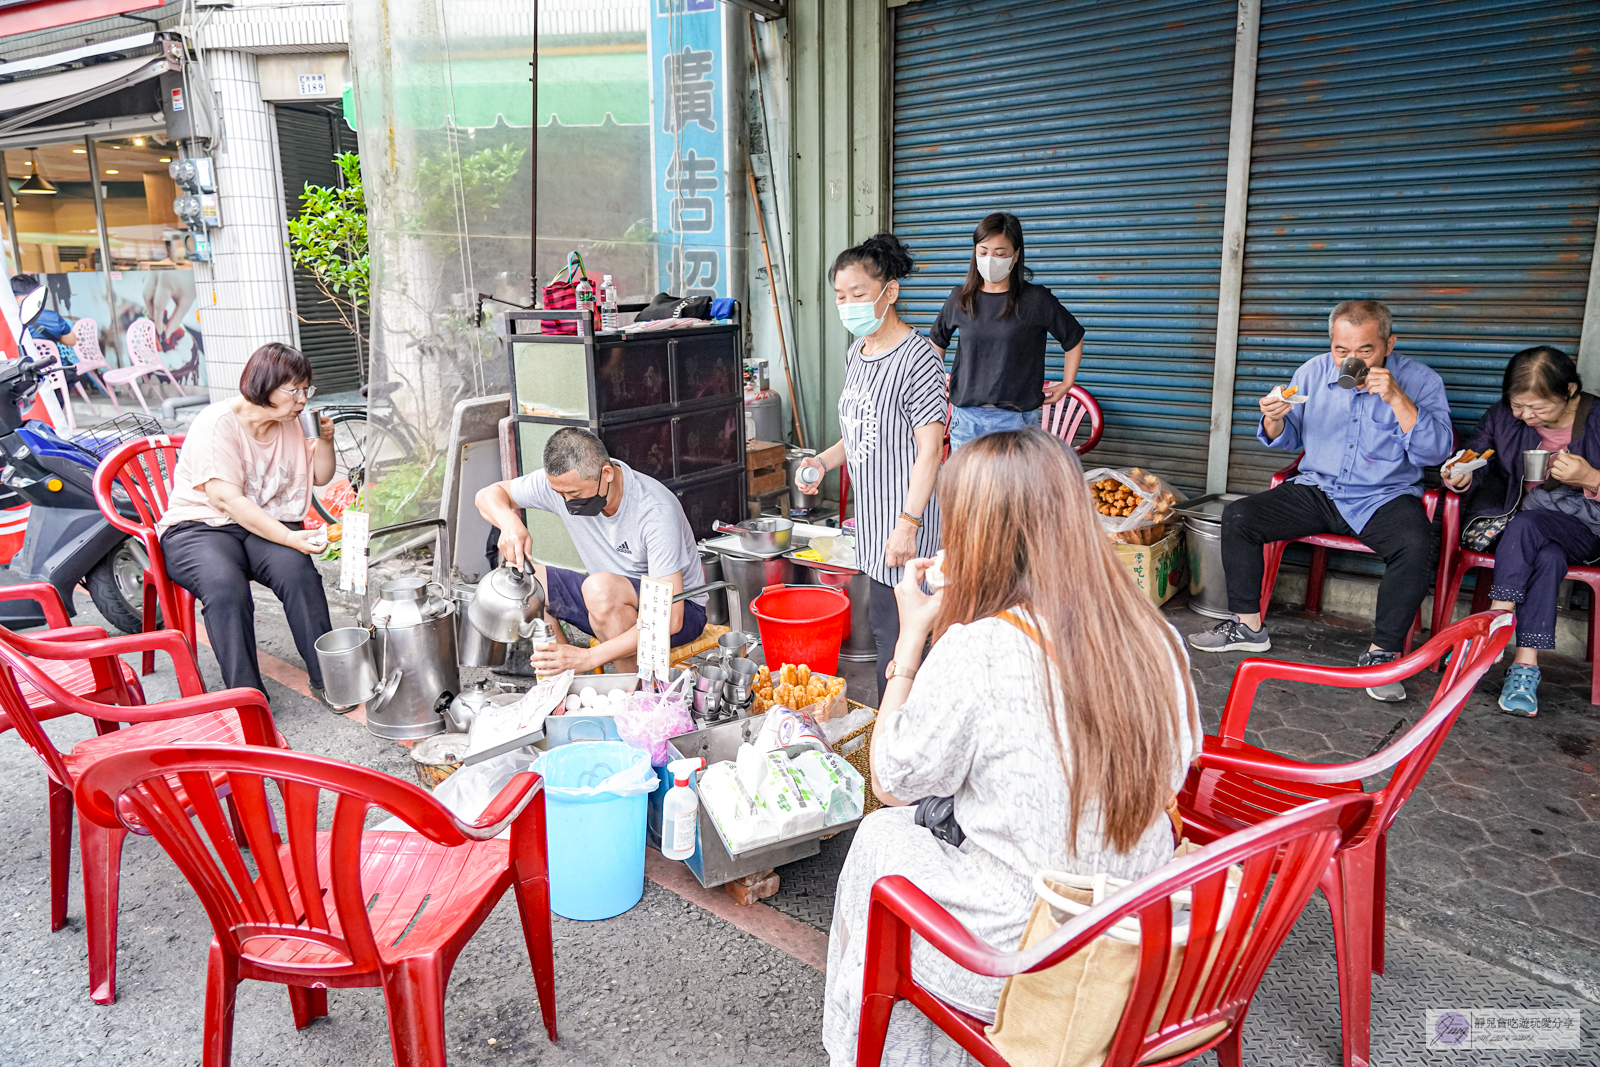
(30,305)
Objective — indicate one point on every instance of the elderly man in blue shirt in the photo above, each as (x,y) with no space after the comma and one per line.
(1361,476)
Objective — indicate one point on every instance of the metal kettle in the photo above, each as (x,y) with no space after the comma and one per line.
(508,605)
(469,704)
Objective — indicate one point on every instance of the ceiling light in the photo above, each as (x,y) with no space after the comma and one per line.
(112,172)
(27,162)
(138,142)
(79,151)
(164,159)
(34,184)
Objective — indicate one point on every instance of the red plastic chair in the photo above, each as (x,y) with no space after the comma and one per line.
(1295,847)
(334,908)
(233,716)
(143,469)
(1272,555)
(1455,562)
(93,680)
(1065,416)
(1234,785)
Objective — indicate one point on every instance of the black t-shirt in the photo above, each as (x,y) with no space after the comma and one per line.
(1001,361)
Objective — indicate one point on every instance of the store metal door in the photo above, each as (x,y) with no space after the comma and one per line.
(1104,128)
(308,140)
(1441,157)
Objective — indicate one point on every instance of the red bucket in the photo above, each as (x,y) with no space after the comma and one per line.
(802,624)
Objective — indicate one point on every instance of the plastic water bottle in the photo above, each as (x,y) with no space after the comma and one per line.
(585,296)
(608,304)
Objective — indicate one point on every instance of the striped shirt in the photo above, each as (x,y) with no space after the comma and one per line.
(887,396)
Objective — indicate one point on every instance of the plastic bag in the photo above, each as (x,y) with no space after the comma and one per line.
(1130,501)
(784,727)
(596,769)
(469,790)
(648,721)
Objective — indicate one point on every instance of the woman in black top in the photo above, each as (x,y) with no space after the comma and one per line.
(998,380)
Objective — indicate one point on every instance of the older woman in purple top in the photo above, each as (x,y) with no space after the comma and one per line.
(1361,476)
(1542,406)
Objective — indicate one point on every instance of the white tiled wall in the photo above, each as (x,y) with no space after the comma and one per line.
(248,275)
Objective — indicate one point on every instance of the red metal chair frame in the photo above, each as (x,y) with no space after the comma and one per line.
(239,716)
(276,925)
(1234,785)
(143,468)
(1455,562)
(1272,555)
(1295,846)
(93,680)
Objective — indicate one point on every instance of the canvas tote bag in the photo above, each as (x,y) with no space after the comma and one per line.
(1066,1016)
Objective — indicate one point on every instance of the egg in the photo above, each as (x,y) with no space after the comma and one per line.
(574,703)
(618,696)
(588,694)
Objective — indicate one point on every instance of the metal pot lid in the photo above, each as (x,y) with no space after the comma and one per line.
(385,693)
(404,589)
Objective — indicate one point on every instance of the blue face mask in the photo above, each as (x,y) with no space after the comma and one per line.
(860,319)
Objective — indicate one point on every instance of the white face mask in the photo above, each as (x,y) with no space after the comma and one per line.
(994,268)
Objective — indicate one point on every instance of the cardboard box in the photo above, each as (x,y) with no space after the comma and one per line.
(1154,567)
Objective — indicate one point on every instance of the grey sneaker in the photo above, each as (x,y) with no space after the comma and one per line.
(1231,636)
(1392,693)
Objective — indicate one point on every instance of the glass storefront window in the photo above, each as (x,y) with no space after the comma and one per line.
(140,226)
(56,230)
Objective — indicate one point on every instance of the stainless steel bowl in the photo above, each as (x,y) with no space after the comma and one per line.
(763,536)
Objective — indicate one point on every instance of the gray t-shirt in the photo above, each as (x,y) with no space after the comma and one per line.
(648,537)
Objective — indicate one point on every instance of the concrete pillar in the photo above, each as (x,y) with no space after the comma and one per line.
(247,303)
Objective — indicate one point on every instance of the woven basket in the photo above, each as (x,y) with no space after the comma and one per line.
(861,758)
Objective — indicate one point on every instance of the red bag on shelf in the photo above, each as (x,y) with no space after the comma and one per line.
(562,295)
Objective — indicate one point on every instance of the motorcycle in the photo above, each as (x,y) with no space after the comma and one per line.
(68,540)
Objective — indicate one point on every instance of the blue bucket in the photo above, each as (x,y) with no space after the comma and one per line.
(596,797)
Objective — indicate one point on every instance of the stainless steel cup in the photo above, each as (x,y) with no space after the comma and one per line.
(732,645)
(349,675)
(708,679)
(741,671)
(1536,464)
(310,424)
(706,705)
(736,694)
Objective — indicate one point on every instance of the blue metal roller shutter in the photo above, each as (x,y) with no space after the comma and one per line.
(1104,128)
(1442,157)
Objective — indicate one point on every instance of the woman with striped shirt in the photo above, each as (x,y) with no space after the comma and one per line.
(891,423)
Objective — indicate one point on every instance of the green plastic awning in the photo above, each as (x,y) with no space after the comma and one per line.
(576,90)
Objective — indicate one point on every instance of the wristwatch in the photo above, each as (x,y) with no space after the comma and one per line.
(896,670)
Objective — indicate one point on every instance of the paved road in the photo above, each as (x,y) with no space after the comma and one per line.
(666,983)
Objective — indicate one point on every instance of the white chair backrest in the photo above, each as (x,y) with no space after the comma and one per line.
(142,344)
(87,331)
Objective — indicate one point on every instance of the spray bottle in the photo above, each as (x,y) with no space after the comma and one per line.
(680,810)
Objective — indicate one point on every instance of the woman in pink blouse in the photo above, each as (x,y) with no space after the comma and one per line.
(240,492)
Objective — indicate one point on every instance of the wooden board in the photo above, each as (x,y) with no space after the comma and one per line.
(764,467)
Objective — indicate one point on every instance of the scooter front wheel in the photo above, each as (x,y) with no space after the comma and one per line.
(116,585)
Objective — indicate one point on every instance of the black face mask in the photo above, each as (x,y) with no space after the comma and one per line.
(587,506)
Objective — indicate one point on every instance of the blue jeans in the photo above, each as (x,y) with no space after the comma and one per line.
(969,424)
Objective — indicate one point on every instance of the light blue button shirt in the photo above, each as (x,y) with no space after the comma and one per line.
(1354,448)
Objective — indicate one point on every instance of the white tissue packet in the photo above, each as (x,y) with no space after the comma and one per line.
(752,767)
(837,785)
(796,810)
(743,820)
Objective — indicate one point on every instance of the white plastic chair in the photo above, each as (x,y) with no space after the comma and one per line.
(53,392)
(146,357)
(90,360)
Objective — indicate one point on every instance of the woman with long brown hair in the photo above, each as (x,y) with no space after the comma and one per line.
(1055,707)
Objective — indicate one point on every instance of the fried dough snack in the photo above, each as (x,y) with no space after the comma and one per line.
(1287,393)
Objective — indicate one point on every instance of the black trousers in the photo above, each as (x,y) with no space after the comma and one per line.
(217,564)
(1399,533)
(884,613)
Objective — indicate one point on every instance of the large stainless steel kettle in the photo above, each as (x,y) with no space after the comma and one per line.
(507,605)
(417,660)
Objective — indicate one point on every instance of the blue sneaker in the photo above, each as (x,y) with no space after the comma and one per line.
(1520,696)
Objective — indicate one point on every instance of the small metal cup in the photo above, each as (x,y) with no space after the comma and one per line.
(310,424)
(1536,464)
(732,645)
(736,694)
(708,679)
(706,705)
(1353,372)
(742,671)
